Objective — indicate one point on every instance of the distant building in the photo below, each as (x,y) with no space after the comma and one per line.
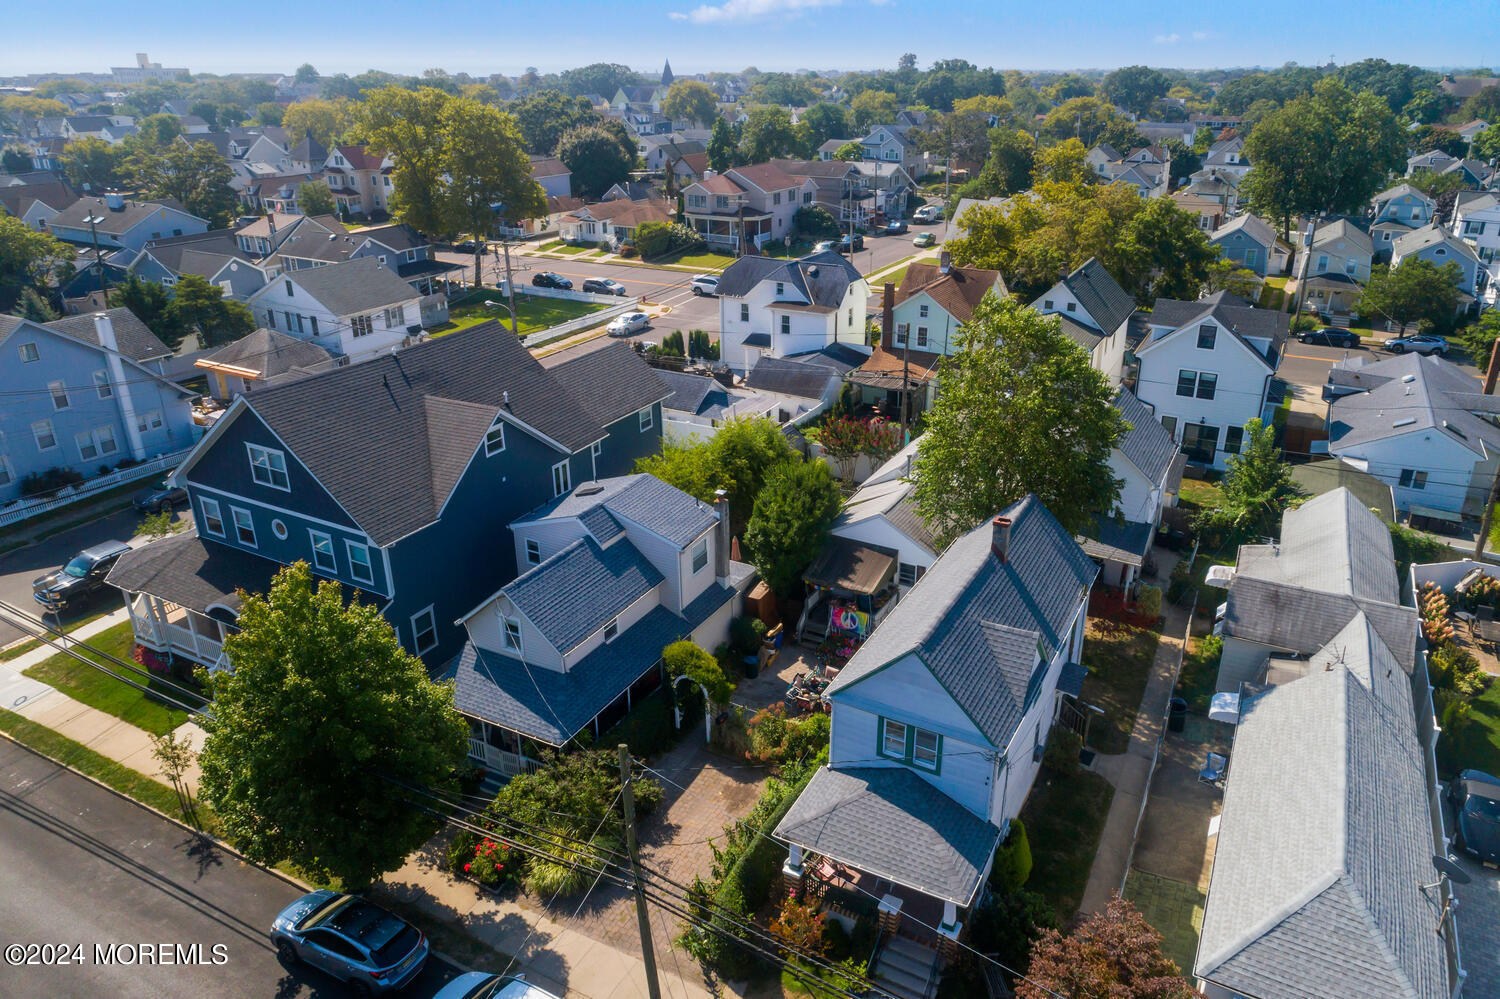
(146,71)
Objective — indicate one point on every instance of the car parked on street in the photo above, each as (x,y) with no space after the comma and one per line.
(858,241)
(1476,799)
(159,498)
(1422,343)
(924,239)
(468,246)
(478,985)
(824,246)
(604,286)
(628,323)
(546,279)
(1329,336)
(894,228)
(356,941)
(928,213)
(81,577)
(705,284)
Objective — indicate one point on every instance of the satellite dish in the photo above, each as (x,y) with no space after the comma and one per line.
(1450,869)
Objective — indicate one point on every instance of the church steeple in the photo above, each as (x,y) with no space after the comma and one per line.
(666,73)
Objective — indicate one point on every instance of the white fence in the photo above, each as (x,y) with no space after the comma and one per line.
(26,509)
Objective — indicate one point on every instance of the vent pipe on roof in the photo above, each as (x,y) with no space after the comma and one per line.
(505,398)
(1000,538)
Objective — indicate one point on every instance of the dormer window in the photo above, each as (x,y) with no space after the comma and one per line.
(1207,334)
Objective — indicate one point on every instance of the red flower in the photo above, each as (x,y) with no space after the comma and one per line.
(467,867)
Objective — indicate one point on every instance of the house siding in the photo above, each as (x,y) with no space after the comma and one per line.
(1238,246)
(1456,477)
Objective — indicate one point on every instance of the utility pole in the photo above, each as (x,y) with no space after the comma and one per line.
(1490,377)
(93,221)
(642,917)
(510,286)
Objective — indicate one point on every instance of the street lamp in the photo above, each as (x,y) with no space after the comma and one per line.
(93,221)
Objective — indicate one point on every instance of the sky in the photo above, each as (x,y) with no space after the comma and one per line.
(403,36)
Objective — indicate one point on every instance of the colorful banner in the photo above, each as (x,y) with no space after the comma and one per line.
(849,619)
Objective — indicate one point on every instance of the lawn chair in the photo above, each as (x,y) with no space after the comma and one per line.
(1213,770)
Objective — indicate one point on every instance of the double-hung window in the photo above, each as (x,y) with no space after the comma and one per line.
(612,630)
(1234,438)
(268,467)
(105,437)
(395,317)
(102,385)
(213,517)
(1207,383)
(359,563)
(322,549)
(29,353)
(46,437)
(1186,380)
(645,419)
(494,440)
(59,395)
(423,631)
(85,443)
(512,634)
(533,551)
(1207,334)
(744,312)
(700,555)
(244,525)
(908,573)
(917,747)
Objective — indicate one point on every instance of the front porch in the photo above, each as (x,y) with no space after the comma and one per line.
(735,232)
(167,627)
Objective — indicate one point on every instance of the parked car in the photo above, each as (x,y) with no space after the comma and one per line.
(159,498)
(705,284)
(628,323)
(824,246)
(1422,343)
(468,246)
(1330,336)
(478,985)
(83,576)
(924,239)
(859,243)
(894,228)
(604,286)
(546,279)
(353,940)
(1476,799)
(928,213)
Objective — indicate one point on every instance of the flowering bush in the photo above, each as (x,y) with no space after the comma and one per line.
(156,662)
(800,925)
(1432,607)
(494,864)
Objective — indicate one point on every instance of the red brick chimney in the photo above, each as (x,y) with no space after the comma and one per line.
(1000,538)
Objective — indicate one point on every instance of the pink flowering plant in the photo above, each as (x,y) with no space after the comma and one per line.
(494,864)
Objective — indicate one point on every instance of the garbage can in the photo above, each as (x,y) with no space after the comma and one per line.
(751,667)
(1176,715)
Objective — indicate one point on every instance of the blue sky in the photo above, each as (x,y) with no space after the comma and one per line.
(701,35)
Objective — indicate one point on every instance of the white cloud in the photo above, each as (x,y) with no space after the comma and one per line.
(732,11)
(1202,36)
(1171,39)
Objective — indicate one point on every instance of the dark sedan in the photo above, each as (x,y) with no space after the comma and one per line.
(1330,336)
(1476,798)
(546,279)
(159,498)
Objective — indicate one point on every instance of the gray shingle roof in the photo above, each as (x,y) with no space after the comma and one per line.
(192,572)
(353,286)
(270,352)
(891,823)
(578,590)
(1252,225)
(1241,322)
(688,391)
(1323,844)
(1431,235)
(363,431)
(1085,336)
(1126,542)
(116,221)
(825,288)
(1147,445)
(608,379)
(662,509)
(1332,543)
(133,338)
(975,622)
(1303,620)
(1436,400)
(786,376)
(1100,295)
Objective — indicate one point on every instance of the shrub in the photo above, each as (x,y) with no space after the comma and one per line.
(815,222)
(1149,600)
(672,344)
(1012,860)
(703,346)
(1455,669)
(628,252)
(1304,323)
(53,479)
(493,864)
(768,733)
(684,658)
(1180,580)
(800,925)
(1062,752)
(745,635)
(807,738)
(1210,648)
(648,729)
(836,942)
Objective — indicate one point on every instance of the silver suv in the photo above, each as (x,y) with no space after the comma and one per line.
(353,940)
(705,284)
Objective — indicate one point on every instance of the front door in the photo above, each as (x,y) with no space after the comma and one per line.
(1200,442)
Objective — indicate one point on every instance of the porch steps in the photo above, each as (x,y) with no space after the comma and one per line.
(491,785)
(906,969)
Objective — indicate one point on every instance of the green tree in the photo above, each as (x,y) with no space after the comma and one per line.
(269,113)
(484,165)
(150,303)
(602,78)
(1397,83)
(1063,163)
(690,100)
(407,125)
(29,259)
(1135,88)
(1166,254)
(1487,143)
(1114,954)
(201,306)
(1021,411)
(1256,491)
(306,74)
(784,89)
(14,159)
(1435,137)
(790,522)
(737,459)
(93,165)
(1226,275)
(871,108)
(323,714)
(850,152)
(1067,87)
(325,122)
(722,151)
(156,132)
(826,121)
(1328,151)
(815,222)
(597,159)
(1478,338)
(34,306)
(768,135)
(546,115)
(1011,160)
(314,198)
(1418,291)
(1082,118)
(685,658)
(196,175)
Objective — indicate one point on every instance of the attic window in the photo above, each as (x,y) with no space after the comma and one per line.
(494,440)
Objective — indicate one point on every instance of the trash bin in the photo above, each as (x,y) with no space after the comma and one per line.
(752,667)
(1176,715)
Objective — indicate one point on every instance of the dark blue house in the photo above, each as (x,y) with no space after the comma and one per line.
(397,477)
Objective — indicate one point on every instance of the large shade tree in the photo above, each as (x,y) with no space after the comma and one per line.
(323,719)
(484,165)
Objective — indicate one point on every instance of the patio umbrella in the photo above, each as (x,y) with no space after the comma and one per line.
(1225,707)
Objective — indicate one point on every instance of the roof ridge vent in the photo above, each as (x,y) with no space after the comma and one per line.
(1405,421)
(589,489)
(1408,378)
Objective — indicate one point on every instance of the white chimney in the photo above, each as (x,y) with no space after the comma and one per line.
(721,536)
(105,331)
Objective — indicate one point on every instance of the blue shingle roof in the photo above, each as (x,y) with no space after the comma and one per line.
(660,508)
(575,592)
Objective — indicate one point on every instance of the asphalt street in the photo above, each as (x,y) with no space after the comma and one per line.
(1307,365)
(82,867)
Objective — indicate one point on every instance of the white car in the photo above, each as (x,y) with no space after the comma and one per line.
(928,213)
(630,322)
(478,985)
(705,284)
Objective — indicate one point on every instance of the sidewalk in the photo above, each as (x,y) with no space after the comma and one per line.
(1130,771)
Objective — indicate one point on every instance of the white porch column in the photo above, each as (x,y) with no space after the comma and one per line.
(950,917)
(193,628)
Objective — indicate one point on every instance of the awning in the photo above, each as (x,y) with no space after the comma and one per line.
(1127,542)
(1225,707)
(852,566)
(1070,680)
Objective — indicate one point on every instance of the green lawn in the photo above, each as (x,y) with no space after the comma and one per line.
(551,244)
(1175,910)
(532,312)
(1198,677)
(1064,818)
(704,260)
(100,690)
(1198,494)
(1473,741)
(895,278)
(16,651)
(572,250)
(1118,657)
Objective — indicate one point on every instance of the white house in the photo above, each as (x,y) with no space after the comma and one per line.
(1476,220)
(784,307)
(1419,424)
(1205,368)
(939,721)
(354,309)
(883,513)
(1148,466)
(699,405)
(746,206)
(1095,312)
(1227,157)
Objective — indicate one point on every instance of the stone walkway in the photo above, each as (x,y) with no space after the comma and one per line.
(1130,771)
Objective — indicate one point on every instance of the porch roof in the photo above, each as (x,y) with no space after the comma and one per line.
(846,564)
(1125,541)
(895,825)
(193,573)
